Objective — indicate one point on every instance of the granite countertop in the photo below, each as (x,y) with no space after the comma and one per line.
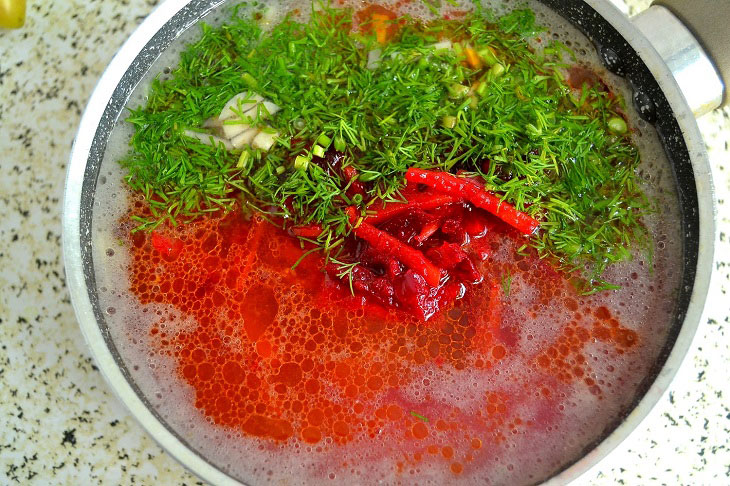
(59,421)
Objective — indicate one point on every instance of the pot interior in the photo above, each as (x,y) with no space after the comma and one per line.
(155,379)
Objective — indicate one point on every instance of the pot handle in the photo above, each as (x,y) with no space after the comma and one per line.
(693,39)
(708,21)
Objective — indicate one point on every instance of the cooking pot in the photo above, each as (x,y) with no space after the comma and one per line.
(673,55)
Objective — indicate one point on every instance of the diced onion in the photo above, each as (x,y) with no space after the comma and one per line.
(208,139)
(444,44)
(264,140)
(232,130)
(271,108)
(374,58)
(242,102)
(244,138)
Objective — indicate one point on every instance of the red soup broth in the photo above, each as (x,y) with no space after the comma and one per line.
(284,355)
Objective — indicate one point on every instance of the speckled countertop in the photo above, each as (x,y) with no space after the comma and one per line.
(60,423)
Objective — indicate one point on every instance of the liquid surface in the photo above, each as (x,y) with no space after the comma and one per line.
(274,373)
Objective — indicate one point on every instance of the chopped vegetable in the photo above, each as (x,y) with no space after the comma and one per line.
(475,62)
(457,91)
(496,71)
(383,242)
(487,55)
(340,145)
(239,105)
(448,121)
(264,140)
(617,125)
(301,162)
(243,159)
(477,195)
(324,140)
(318,151)
(308,231)
(245,138)
(425,200)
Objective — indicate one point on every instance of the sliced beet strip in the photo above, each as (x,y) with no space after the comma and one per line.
(389,245)
(476,194)
(425,200)
(307,231)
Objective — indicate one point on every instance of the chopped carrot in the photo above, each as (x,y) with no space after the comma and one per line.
(380,25)
(380,20)
(473,58)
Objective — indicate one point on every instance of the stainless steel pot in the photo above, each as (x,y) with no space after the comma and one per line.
(674,80)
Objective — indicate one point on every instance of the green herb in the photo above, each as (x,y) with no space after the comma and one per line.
(557,154)
(506,283)
(345,270)
(419,416)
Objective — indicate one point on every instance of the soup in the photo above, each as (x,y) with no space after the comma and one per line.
(321,309)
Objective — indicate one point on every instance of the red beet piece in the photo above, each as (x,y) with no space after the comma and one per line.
(477,195)
(409,256)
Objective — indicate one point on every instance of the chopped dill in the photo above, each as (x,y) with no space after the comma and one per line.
(506,283)
(419,416)
(345,270)
(544,147)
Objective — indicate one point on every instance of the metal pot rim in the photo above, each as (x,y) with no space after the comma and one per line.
(119,381)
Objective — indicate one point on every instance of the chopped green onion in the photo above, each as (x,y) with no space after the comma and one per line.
(457,91)
(324,140)
(280,170)
(318,151)
(488,56)
(617,125)
(496,71)
(301,162)
(448,121)
(250,80)
(243,159)
(340,144)
(482,89)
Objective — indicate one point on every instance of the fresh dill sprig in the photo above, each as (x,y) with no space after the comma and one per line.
(507,283)
(545,147)
(345,270)
(419,416)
